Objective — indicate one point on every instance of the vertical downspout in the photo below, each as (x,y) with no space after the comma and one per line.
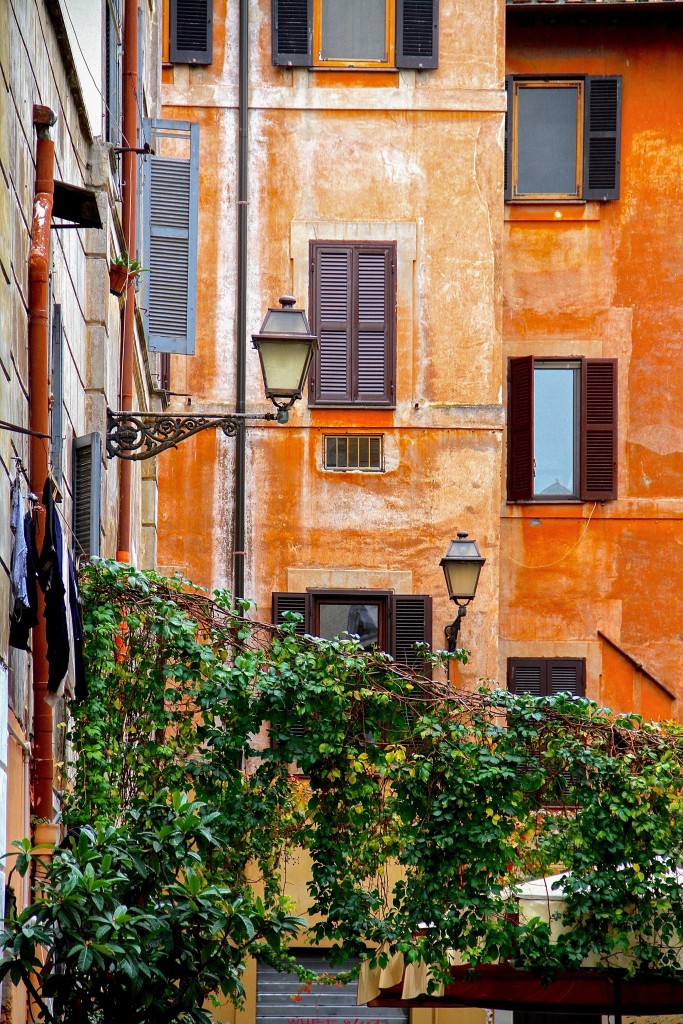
(241,367)
(39,422)
(129,209)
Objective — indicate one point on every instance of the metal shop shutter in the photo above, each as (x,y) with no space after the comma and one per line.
(323,1005)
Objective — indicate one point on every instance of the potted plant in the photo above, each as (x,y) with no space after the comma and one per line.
(120,269)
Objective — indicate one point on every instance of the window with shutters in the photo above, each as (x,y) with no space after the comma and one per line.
(57,396)
(562,429)
(113,87)
(545,677)
(171,200)
(563,138)
(353,311)
(87,483)
(380,618)
(190,31)
(355,33)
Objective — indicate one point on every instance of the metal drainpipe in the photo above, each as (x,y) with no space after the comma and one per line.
(39,421)
(129,172)
(241,384)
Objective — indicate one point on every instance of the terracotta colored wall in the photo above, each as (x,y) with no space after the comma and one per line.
(604,279)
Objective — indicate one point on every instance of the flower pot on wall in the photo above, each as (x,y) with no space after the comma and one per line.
(118,276)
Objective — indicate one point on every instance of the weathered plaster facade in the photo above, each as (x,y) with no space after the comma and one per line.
(51,54)
(603,279)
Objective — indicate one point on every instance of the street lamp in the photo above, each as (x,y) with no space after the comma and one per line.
(461,566)
(285,346)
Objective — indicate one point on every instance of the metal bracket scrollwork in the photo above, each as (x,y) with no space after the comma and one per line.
(140,435)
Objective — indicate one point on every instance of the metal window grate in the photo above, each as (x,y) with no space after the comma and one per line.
(353,451)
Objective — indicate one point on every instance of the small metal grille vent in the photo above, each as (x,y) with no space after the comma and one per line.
(353,451)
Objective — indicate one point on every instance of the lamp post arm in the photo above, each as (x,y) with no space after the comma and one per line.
(142,435)
(451,632)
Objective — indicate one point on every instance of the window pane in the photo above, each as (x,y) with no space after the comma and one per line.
(546,140)
(354,30)
(357,618)
(554,430)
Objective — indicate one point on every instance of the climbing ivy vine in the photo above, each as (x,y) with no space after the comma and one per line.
(422,807)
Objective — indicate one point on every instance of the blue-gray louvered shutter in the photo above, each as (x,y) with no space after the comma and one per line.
(170,250)
(602,137)
(86,493)
(292,32)
(417,34)
(57,395)
(412,624)
(191,31)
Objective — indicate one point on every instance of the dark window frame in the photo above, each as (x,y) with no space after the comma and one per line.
(336,439)
(598,431)
(352,397)
(598,137)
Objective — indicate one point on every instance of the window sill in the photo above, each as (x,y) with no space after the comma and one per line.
(553,211)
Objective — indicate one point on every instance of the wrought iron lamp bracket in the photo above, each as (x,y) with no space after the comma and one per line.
(142,435)
(451,631)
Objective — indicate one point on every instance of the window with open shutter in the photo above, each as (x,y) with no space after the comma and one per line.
(562,429)
(170,244)
(87,482)
(353,309)
(191,31)
(355,33)
(112,72)
(545,677)
(57,395)
(562,137)
(394,622)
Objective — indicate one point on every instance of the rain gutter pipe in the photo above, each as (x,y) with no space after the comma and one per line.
(241,382)
(128,213)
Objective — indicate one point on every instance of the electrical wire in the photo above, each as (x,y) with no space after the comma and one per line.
(547,565)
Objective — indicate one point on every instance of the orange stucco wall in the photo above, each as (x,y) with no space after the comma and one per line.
(605,279)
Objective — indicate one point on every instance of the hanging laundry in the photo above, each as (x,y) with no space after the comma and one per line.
(51,579)
(24,607)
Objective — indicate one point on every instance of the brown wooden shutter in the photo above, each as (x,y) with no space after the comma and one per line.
(373,304)
(598,429)
(527,675)
(417,34)
(602,137)
(191,31)
(507,153)
(521,429)
(331,307)
(565,675)
(412,623)
(291,603)
(292,32)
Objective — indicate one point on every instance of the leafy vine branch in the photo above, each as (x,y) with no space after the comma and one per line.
(423,808)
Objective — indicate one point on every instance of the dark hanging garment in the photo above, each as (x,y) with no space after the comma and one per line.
(51,579)
(23,575)
(81,683)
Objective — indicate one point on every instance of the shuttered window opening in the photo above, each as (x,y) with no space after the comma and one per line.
(562,436)
(353,309)
(170,242)
(405,619)
(112,73)
(546,677)
(191,31)
(353,451)
(280,1000)
(413,43)
(562,137)
(57,395)
(87,483)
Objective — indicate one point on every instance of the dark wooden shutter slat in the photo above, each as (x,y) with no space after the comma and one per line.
(292,32)
(373,337)
(599,429)
(602,137)
(412,623)
(527,675)
(507,155)
(170,244)
(332,312)
(417,34)
(565,675)
(87,482)
(191,31)
(283,602)
(520,429)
